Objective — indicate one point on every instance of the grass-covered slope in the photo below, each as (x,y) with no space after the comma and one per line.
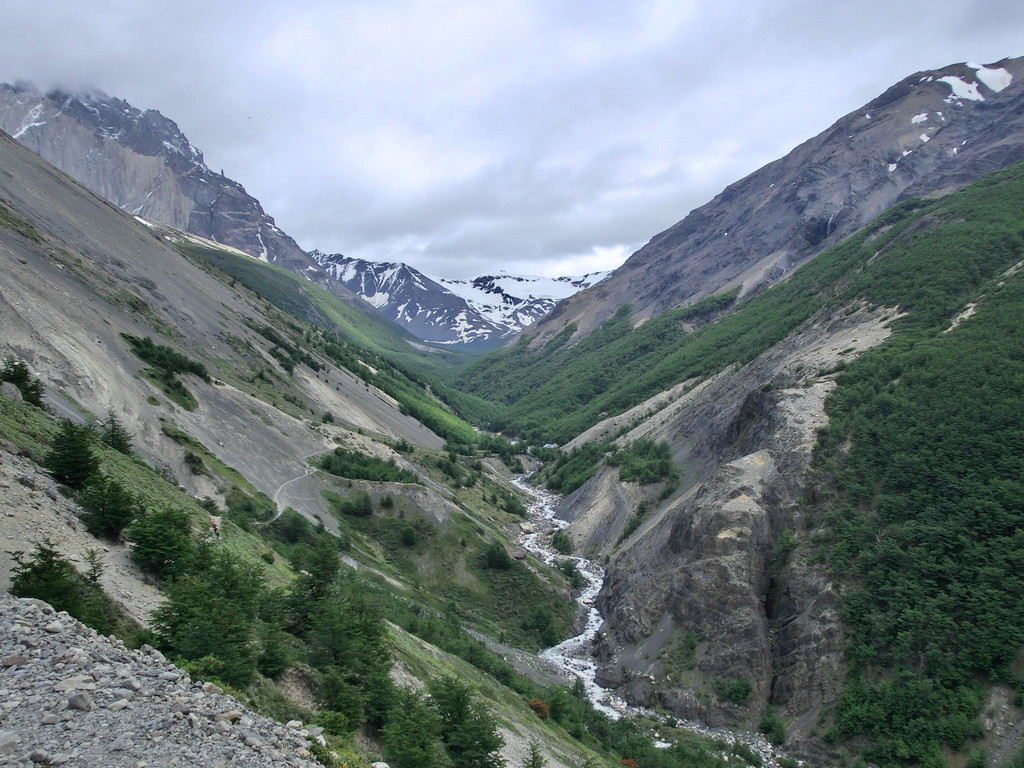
(306,301)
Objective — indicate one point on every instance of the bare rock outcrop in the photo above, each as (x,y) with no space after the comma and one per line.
(717,566)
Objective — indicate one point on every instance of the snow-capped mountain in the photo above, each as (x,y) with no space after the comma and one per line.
(516,301)
(477,312)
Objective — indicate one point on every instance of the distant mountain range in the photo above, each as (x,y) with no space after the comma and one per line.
(477,312)
(142,163)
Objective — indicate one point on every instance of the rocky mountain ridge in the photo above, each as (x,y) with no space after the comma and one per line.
(698,565)
(142,163)
(475,313)
(927,135)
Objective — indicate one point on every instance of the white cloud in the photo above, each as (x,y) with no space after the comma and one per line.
(528,135)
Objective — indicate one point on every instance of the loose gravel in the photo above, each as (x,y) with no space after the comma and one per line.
(69,696)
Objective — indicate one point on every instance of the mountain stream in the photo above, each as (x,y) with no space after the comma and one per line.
(573,655)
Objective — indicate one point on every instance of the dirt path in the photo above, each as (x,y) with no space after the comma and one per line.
(309,470)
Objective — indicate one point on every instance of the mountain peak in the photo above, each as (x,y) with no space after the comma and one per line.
(476,312)
(929,134)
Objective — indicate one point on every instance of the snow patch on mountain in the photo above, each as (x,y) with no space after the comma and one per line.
(961,89)
(517,300)
(995,78)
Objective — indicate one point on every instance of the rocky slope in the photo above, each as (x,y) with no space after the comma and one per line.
(34,510)
(927,135)
(700,565)
(142,163)
(476,313)
(111,275)
(73,697)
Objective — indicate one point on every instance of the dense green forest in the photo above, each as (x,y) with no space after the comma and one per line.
(926,451)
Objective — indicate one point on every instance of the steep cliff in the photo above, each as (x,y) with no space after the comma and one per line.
(142,163)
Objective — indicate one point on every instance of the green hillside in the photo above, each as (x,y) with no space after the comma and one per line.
(553,393)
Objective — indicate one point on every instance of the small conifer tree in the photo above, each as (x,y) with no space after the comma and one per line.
(162,541)
(109,506)
(47,576)
(113,433)
(71,458)
(534,758)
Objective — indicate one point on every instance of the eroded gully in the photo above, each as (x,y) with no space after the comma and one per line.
(573,655)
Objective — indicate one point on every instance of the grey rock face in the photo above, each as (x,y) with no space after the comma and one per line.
(65,704)
(140,161)
(710,565)
(929,134)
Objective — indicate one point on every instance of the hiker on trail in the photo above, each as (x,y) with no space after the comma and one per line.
(215,524)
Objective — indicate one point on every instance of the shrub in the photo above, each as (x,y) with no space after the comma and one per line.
(210,612)
(49,577)
(736,690)
(542,709)
(771,726)
(360,466)
(561,542)
(113,433)
(496,558)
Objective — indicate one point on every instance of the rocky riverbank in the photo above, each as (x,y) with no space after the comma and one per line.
(573,657)
(71,696)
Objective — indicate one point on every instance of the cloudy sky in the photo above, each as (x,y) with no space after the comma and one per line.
(545,137)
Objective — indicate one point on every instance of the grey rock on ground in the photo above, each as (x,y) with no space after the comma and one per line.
(71,696)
